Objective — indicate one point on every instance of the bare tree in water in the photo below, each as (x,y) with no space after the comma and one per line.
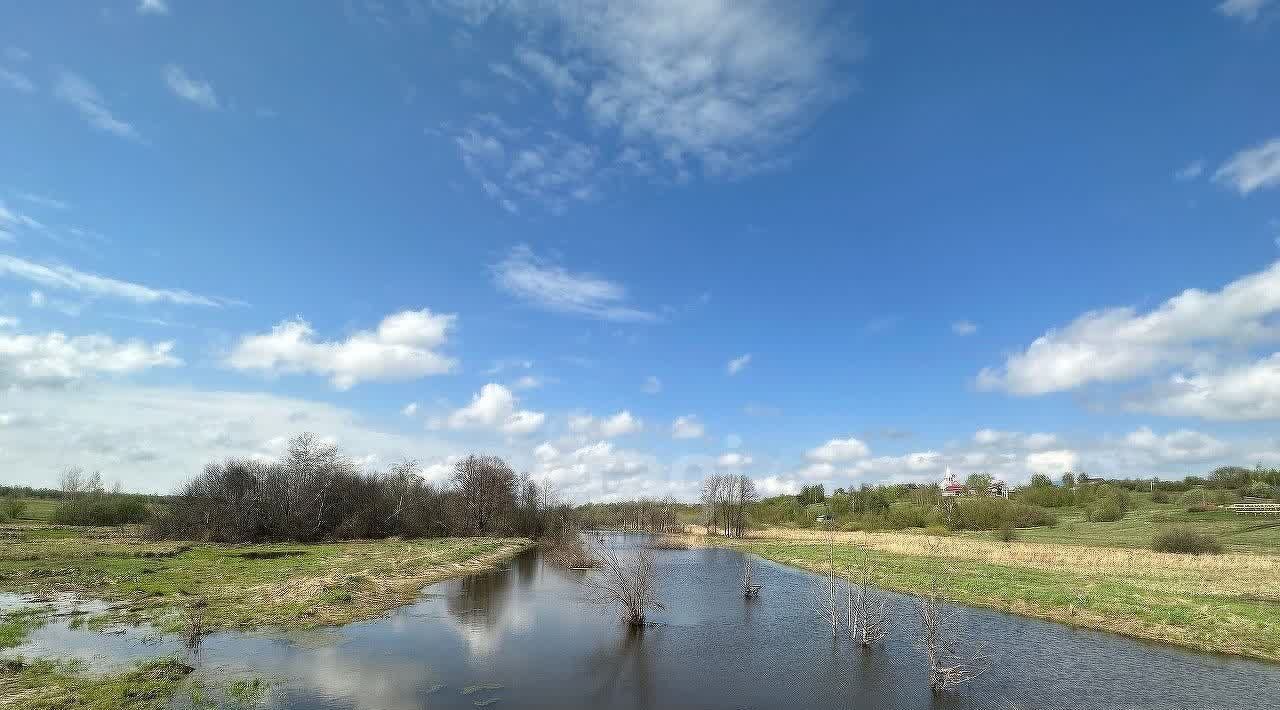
(629,582)
(869,616)
(827,595)
(950,663)
(750,588)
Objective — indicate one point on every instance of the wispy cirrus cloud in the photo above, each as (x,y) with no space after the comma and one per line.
(16,80)
(1252,168)
(67,278)
(1244,10)
(84,97)
(677,89)
(549,286)
(196,91)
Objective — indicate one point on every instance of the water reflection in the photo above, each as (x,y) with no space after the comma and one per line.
(526,636)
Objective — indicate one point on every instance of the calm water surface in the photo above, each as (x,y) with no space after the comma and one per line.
(523,637)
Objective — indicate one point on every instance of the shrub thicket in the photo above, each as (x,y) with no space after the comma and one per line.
(96,508)
(996,513)
(314,492)
(1185,540)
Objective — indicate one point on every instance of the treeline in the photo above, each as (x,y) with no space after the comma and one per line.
(85,500)
(314,492)
(664,516)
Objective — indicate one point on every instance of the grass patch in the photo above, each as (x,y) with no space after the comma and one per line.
(48,685)
(238,586)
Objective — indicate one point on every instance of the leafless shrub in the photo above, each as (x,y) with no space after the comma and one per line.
(750,588)
(629,582)
(950,663)
(567,551)
(868,605)
(828,594)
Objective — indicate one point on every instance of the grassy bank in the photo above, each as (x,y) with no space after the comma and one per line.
(1223,603)
(192,588)
(237,586)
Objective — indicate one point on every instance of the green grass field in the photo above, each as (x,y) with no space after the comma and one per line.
(1236,533)
(37,510)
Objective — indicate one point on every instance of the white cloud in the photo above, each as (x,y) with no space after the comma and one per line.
(1252,169)
(44,201)
(551,287)
(603,472)
(734,459)
(1118,344)
(55,359)
(1053,461)
(16,80)
(727,85)
(652,385)
(410,409)
(494,408)
(528,382)
(770,486)
(839,450)
(993,437)
(12,218)
(37,299)
(738,364)
(82,95)
(8,322)
(1190,171)
(153,7)
(1244,392)
(964,327)
(556,75)
(169,434)
(196,91)
(619,424)
(1243,10)
(1180,445)
(67,278)
(402,348)
(514,167)
(687,427)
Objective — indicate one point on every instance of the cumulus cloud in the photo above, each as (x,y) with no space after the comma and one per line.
(403,347)
(687,427)
(1180,445)
(839,450)
(1118,344)
(619,424)
(733,459)
(1243,392)
(964,327)
(410,409)
(1054,461)
(55,359)
(1252,169)
(551,287)
(196,91)
(69,279)
(601,471)
(738,364)
(494,408)
(84,97)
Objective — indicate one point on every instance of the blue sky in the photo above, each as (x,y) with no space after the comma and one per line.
(625,244)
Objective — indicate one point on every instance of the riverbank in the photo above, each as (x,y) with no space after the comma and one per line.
(195,588)
(1215,603)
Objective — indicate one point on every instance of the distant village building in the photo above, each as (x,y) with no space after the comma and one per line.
(953,488)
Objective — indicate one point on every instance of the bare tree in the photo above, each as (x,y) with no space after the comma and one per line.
(488,493)
(629,583)
(72,480)
(949,663)
(749,586)
(869,617)
(827,595)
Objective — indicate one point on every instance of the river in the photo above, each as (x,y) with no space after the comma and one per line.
(524,637)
